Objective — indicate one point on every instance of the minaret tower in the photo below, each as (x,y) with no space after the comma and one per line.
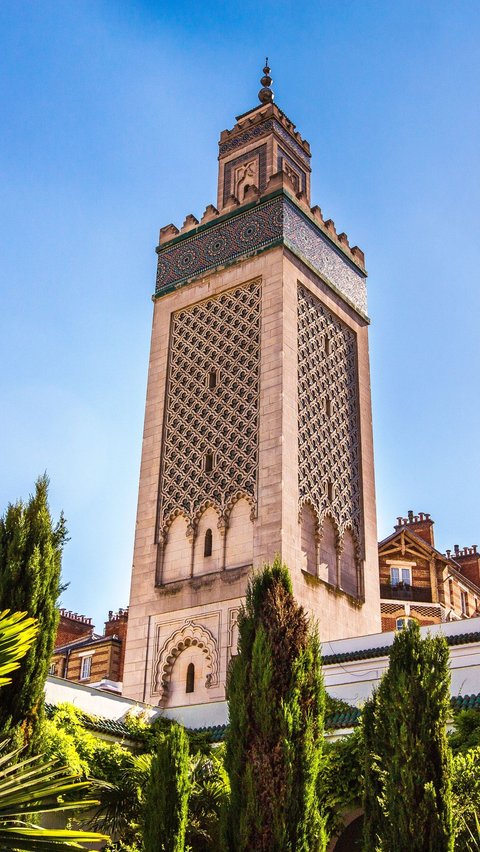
(258,434)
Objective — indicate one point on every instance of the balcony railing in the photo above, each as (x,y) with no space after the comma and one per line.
(405,592)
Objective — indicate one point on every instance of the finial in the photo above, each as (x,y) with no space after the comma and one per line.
(265,95)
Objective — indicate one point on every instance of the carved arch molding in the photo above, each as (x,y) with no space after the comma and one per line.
(190,634)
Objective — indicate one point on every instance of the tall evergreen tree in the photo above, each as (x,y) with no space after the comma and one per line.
(276,706)
(408,761)
(30,566)
(166,799)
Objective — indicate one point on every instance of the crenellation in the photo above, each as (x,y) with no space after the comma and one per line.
(167,233)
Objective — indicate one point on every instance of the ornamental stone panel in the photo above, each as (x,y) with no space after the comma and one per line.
(210,443)
(328,415)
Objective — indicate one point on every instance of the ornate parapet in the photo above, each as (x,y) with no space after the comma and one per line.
(276,219)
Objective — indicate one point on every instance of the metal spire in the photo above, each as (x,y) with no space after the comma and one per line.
(265,95)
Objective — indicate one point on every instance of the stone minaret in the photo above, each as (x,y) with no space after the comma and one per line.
(258,434)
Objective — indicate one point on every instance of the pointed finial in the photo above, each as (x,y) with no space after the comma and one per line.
(265,95)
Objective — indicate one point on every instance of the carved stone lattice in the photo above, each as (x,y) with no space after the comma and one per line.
(329,466)
(212,426)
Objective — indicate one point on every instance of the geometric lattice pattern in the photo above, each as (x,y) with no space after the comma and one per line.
(220,334)
(329,468)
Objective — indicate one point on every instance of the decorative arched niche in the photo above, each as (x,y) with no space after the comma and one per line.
(328,550)
(349,564)
(208,547)
(309,538)
(192,644)
(176,550)
(239,544)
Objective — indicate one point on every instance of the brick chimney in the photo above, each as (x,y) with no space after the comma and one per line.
(421,525)
(72,626)
(469,560)
(117,626)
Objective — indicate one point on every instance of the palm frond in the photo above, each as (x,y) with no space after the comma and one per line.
(17,634)
(32,787)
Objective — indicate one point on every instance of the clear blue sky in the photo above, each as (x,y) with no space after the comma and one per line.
(111,113)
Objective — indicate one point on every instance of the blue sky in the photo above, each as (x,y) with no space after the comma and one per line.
(111,116)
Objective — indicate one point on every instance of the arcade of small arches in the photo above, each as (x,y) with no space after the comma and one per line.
(211,541)
(330,554)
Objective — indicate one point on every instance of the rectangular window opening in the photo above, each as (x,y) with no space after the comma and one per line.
(86,668)
(212,379)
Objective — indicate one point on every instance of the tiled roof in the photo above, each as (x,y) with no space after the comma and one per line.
(101,724)
(368,653)
(466,702)
(84,641)
(344,720)
(216,733)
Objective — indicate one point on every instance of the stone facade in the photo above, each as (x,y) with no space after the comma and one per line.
(418,582)
(249,450)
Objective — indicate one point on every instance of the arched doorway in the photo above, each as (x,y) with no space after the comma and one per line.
(350,839)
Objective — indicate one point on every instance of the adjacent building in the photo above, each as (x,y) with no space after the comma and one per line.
(87,657)
(418,582)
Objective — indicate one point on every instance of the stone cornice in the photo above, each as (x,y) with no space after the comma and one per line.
(274,219)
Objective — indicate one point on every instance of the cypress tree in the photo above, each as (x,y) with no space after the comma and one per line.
(30,566)
(408,761)
(167,793)
(276,705)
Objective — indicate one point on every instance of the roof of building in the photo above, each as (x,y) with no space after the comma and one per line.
(84,641)
(216,733)
(100,724)
(453,565)
(368,653)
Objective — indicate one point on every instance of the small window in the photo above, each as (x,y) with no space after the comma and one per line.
(404,622)
(450,590)
(208,462)
(207,547)
(327,346)
(330,492)
(328,406)
(190,684)
(401,578)
(86,668)
(212,379)
(464,602)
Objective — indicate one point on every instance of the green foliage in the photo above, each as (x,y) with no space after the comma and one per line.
(407,758)
(208,796)
(275,735)
(466,733)
(340,782)
(30,564)
(336,705)
(466,800)
(31,786)
(167,793)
